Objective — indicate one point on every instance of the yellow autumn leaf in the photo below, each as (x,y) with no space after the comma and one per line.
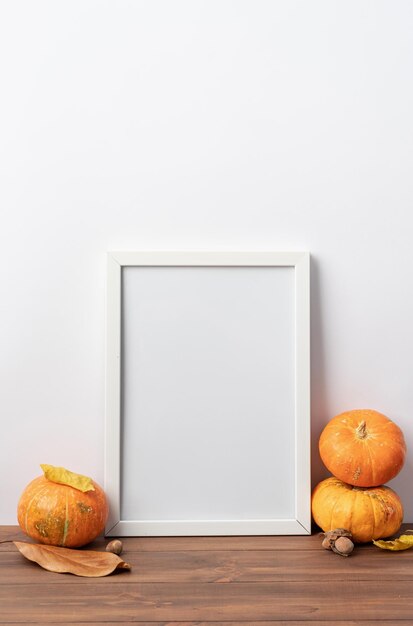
(65,477)
(404,542)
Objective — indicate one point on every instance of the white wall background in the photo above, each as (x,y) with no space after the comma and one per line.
(216,124)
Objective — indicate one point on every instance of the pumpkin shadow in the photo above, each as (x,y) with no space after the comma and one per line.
(401,484)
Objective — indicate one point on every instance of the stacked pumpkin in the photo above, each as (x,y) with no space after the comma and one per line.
(363,449)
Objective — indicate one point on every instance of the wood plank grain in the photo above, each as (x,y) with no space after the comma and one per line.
(228,567)
(250,623)
(408,622)
(173,544)
(379,600)
(177,544)
(10,533)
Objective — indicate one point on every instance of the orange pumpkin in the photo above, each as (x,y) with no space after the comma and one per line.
(363,448)
(367,513)
(60,515)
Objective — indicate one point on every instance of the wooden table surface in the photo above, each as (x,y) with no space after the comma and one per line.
(219,581)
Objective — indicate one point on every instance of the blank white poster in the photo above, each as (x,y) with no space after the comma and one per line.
(208,393)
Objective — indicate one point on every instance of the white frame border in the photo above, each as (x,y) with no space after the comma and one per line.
(301,524)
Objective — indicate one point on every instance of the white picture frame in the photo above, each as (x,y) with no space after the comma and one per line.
(297,519)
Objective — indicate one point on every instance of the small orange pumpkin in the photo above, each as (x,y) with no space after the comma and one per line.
(367,513)
(61,515)
(363,448)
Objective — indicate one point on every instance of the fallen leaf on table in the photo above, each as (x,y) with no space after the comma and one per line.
(64,560)
(65,477)
(404,542)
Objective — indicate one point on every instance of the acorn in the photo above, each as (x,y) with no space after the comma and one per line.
(115,547)
(343,546)
(339,541)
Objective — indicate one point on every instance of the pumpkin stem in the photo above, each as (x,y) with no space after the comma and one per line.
(361,430)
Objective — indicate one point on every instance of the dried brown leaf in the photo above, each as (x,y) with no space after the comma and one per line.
(64,560)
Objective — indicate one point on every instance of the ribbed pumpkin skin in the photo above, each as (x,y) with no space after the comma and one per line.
(367,513)
(363,448)
(60,515)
